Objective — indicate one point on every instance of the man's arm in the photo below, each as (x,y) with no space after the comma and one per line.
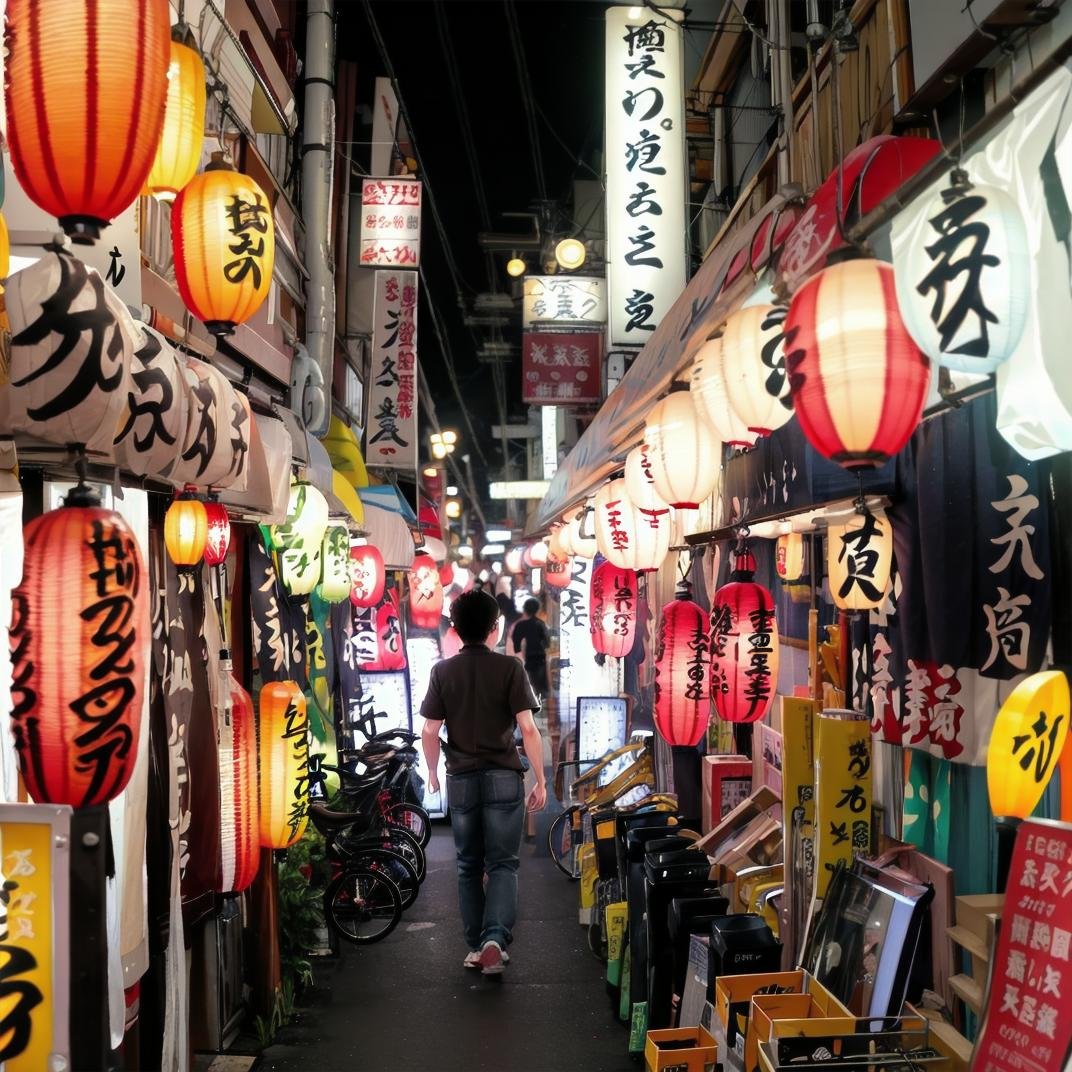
(430,743)
(533,745)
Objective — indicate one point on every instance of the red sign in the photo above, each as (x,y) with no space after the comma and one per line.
(1028,1027)
(560,368)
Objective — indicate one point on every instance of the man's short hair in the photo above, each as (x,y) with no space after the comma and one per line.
(474,615)
(531,606)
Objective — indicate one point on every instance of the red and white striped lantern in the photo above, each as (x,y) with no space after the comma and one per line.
(857,379)
(613,610)
(682,707)
(628,536)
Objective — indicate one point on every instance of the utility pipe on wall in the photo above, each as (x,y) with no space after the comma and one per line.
(318,145)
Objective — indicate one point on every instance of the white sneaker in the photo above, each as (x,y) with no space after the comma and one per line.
(472,960)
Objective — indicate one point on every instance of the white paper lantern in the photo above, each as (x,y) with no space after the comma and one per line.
(707,384)
(753,367)
(582,533)
(640,481)
(684,452)
(859,554)
(965,290)
(299,540)
(628,537)
(217,430)
(789,557)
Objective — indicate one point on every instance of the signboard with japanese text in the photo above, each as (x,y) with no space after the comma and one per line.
(391,428)
(564,300)
(798,815)
(390,223)
(645,155)
(1027,1027)
(34,939)
(383,704)
(561,368)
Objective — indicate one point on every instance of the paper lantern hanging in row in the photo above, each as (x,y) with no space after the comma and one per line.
(640,482)
(425,593)
(299,540)
(789,557)
(629,537)
(536,554)
(582,537)
(84,117)
(557,570)
(368,575)
(283,760)
(239,800)
(684,453)
(707,385)
(218,535)
(79,643)
(857,379)
(514,560)
(753,367)
(390,651)
(859,557)
(744,645)
(613,610)
(186,529)
(335,583)
(682,707)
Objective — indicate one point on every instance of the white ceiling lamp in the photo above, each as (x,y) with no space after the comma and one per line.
(570,254)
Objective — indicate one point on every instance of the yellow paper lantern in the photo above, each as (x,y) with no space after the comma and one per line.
(283,755)
(5,250)
(186,530)
(859,556)
(299,540)
(789,557)
(179,151)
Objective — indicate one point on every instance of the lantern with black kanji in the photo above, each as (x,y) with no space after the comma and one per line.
(858,381)
(86,88)
(582,537)
(299,540)
(186,529)
(239,802)
(218,537)
(335,584)
(682,706)
(789,557)
(79,643)
(425,593)
(367,575)
(753,367)
(859,556)
(613,610)
(744,645)
(557,570)
(224,240)
(283,760)
(390,651)
(684,453)
(628,535)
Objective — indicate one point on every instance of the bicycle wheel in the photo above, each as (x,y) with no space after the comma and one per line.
(413,818)
(399,839)
(362,905)
(397,868)
(563,840)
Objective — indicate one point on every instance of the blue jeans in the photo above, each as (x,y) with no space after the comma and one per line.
(487,814)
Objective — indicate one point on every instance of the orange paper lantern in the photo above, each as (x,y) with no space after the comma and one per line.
(86,86)
(79,637)
(283,753)
(178,153)
(186,530)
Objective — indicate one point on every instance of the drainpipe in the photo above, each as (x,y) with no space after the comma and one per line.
(318,144)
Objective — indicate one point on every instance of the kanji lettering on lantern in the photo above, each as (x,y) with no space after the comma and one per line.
(1037,747)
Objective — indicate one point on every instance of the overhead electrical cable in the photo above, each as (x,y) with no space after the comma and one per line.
(526,96)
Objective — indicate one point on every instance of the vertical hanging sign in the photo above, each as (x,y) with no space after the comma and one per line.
(391,435)
(645,143)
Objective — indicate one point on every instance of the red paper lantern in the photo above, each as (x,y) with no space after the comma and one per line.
(425,593)
(744,646)
(682,708)
(239,803)
(367,576)
(79,639)
(557,570)
(390,651)
(218,542)
(613,610)
(857,379)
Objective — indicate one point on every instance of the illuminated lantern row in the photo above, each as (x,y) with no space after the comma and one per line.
(239,802)
(223,236)
(335,583)
(613,610)
(515,560)
(684,453)
(84,116)
(79,641)
(789,557)
(744,646)
(859,556)
(186,529)
(368,576)
(640,481)
(629,537)
(710,396)
(283,751)
(536,554)
(218,536)
(582,537)
(858,380)
(753,368)
(557,570)
(390,651)
(682,707)
(299,540)
(967,318)
(425,593)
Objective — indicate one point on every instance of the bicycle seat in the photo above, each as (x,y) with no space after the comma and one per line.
(402,735)
(325,819)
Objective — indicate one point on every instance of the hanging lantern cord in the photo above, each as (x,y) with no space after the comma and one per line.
(81,494)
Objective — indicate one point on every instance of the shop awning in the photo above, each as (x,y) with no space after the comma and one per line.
(345,453)
(387,521)
(345,493)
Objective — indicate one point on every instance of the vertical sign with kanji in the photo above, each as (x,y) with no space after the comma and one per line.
(391,428)
(390,223)
(645,154)
(1027,1025)
(798,816)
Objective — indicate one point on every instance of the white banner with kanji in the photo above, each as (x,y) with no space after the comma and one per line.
(391,428)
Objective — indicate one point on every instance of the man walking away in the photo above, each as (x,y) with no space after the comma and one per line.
(531,639)
(483,696)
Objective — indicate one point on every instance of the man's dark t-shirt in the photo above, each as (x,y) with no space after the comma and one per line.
(535,635)
(478,693)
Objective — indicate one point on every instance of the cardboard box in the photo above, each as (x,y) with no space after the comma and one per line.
(679,1049)
(726,782)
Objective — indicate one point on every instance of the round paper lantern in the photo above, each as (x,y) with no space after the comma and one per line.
(335,583)
(390,651)
(425,593)
(216,438)
(218,537)
(640,482)
(283,760)
(86,86)
(582,536)
(557,570)
(79,642)
(964,291)
(789,557)
(446,576)
(536,554)
(186,529)
(367,576)
(558,542)
(684,453)
(744,646)
(613,610)
(515,560)
(858,380)
(859,555)
(299,540)
(178,152)
(682,707)
(707,385)
(753,367)
(224,240)
(239,803)
(627,536)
